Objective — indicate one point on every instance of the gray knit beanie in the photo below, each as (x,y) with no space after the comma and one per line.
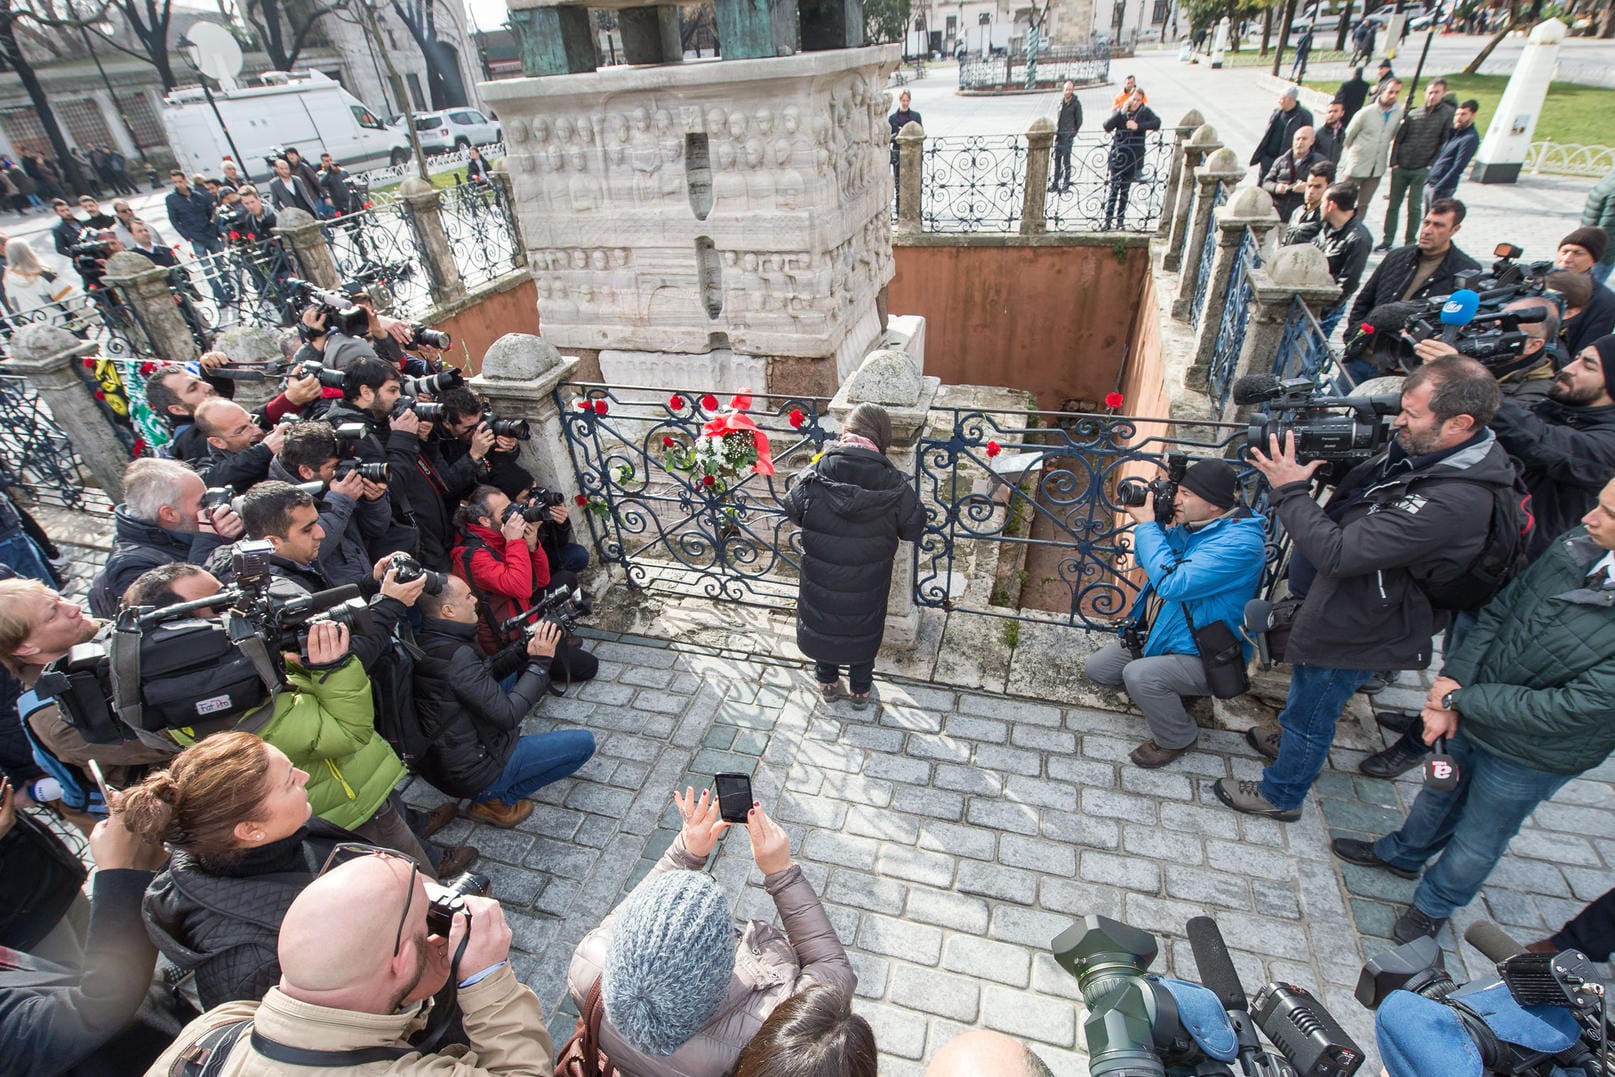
(671,957)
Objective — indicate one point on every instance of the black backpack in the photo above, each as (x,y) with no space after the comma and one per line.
(392,683)
(1503,557)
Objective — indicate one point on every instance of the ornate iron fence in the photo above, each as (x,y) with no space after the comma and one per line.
(36,455)
(972,183)
(1304,350)
(435,163)
(480,224)
(245,284)
(1023,519)
(106,322)
(1568,159)
(380,247)
(1207,254)
(660,508)
(1090,63)
(1080,205)
(1236,312)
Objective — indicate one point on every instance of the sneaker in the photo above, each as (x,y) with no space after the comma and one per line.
(1396,723)
(1354,851)
(1376,684)
(1399,758)
(1382,247)
(1244,796)
(1414,924)
(456,858)
(1265,740)
(1150,755)
(861,700)
(499,814)
(441,816)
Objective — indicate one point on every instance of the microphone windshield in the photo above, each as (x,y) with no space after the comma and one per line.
(1493,941)
(1255,388)
(1460,307)
(1217,970)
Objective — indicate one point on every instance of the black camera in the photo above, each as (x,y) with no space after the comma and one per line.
(217,497)
(547,498)
(408,570)
(1132,493)
(534,512)
(427,411)
(331,379)
(431,338)
(373,472)
(449,378)
(350,434)
(446,899)
(506,428)
(1320,432)
(91,250)
(562,609)
(341,314)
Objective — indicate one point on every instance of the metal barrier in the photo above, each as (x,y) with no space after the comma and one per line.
(380,248)
(435,162)
(1304,350)
(972,183)
(481,229)
(102,319)
(1208,253)
(1080,205)
(36,454)
(1090,63)
(1032,496)
(1236,312)
(1568,159)
(245,284)
(655,509)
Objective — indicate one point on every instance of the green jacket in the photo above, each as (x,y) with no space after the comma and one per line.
(325,723)
(1538,669)
(1600,211)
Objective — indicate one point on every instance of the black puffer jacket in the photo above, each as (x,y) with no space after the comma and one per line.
(1595,319)
(1566,456)
(138,547)
(472,722)
(853,507)
(222,921)
(1395,271)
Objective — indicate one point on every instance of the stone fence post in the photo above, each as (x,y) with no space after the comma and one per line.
(1222,167)
(149,290)
(893,380)
(48,356)
(1189,124)
(302,236)
(1201,145)
(424,202)
(1250,208)
(910,157)
(252,346)
(519,374)
(1297,270)
(1039,140)
(501,175)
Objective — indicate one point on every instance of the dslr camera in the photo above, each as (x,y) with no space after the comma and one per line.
(1132,493)
(420,335)
(505,428)
(408,570)
(331,379)
(1298,407)
(534,512)
(342,315)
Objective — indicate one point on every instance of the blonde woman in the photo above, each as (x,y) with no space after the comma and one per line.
(30,286)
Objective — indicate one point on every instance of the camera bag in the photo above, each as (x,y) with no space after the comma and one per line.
(1222,655)
(187,674)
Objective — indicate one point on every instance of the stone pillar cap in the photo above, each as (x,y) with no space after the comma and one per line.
(415,187)
(911,130)
(291,217)
(1193,119)
(128,264)
(1222,163)
(886,376)
(1040,126)
(519,357)
(38,342)
(1299,265)
(1204,135)
(1251,204)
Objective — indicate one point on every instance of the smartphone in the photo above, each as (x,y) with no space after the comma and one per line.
(101,783)
(734,796)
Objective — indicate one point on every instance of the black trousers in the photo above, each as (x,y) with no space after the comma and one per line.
(860,675)
(1592,930)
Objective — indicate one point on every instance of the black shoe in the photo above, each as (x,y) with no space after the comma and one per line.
(1399,758)
(1383,247)
(1377,683)
(1353,851)
(1396,723)
(1414,924)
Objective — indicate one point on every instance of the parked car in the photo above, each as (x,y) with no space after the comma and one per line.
(1319,25)
(455,128)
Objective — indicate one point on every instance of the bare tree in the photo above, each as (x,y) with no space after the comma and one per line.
(285,28)
(444,84)
(12,58)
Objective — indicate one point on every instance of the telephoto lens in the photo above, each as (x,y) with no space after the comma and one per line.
(509,428)
(431,338)
(426,410)
(373,472)
(531,511)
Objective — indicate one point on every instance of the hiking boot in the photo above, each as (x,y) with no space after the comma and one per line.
(830,691)
(862,700)
(441,816)
(1396,723)
(1414,924)
(1354,851)
(456,858)
(1243,796)
(1265,740)
(1399,758)
(500,814)
(1150,755)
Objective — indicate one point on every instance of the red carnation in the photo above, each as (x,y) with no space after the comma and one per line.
(1365,328)
(709,402)
(797,418)
(993,449)
(1113,400)
(584,405)
(668,442)
(89,364)
(708,480)
(675,402)
(599,407)
(147,368)
(140,446)
(581,500)
(234,234)
(100,394)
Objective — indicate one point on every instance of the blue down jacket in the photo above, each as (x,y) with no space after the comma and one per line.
(1213,569)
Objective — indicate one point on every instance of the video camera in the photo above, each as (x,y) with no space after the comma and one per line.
(1543,1014)
(1140,1025)
(1320,433)
(187,667)
(563,609)
(90,250)
(341,314)
(1132,493)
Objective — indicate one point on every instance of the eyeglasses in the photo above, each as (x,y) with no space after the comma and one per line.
(352,850)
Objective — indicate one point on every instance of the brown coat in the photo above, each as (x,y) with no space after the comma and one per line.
(770,967)
(502,1018)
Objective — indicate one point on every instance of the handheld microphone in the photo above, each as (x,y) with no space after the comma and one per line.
(1440,772)
(1492,941)
(1217,972)
(1457,312)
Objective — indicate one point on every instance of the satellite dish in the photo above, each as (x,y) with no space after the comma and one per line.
(215,52)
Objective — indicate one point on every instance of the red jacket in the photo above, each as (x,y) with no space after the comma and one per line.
(505,575)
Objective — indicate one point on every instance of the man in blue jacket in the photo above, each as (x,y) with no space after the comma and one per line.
(1205,567)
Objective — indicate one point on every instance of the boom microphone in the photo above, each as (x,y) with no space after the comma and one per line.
(1492,941)
(1217,972)
(1457,312)
(1253,389)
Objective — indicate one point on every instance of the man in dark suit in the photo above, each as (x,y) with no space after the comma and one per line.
(290,190)
(1286,120)
(1129,126)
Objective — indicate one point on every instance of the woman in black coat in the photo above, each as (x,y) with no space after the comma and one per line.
(853,506)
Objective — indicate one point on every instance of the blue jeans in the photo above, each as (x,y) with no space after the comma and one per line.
(201,249)
(1470,826)
(571,558)
(539,759)
(19,553)
(1600,272)
(1317,695)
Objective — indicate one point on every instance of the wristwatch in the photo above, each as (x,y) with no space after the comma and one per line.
(1449,702)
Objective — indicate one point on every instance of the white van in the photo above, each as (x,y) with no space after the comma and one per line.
(302,109)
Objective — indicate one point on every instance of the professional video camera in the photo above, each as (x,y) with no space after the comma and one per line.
(409,570)
(1509,279)
(1132,492)
(187,666)
(1320,433)
(563,609)
(1139,1025)
(341,314)
(1543,1014)
(90,250)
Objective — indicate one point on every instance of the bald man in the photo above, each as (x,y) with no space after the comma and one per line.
(980,1053)
(357,963)
(238,449)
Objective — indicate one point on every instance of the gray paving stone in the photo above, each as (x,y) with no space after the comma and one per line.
(888,826)
(900,938)
(898,768)
(956,912)
(909,718)
(923,800)
(1026,927)
(599,799)
(983,959)
(1244,859)
(875,739)
(866,892)
(615,695)
(844,849)
(1108,804)
(1018,710)
(1003,815)
(1042,792)
(995,881)
(1157,783)
(1037,854)
(930,991)
(1017,761)
(977,729)
(1107,749)
(917,865)
(1207,887)
(1078,899)
(1084,773)
(1276,899)
(897,1031)
(926,746)
(648,677)
(873,973)
(972,841)
(1079,829)
(968,779)
(1098,867)
(857,788)
(1042,740)
(1019,1014)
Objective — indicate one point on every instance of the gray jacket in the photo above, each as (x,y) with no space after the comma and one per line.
(1368,142)
(348,526)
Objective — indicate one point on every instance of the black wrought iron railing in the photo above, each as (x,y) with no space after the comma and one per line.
(661,502)
(1105,188)
(380,248)
(245,284)
(1236,312)
(972,183)
(1207,254)
(1304,350)
(1080,64)
(36,455)
(480,225)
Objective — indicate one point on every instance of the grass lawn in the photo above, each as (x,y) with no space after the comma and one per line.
(1571,113)
(440,180)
